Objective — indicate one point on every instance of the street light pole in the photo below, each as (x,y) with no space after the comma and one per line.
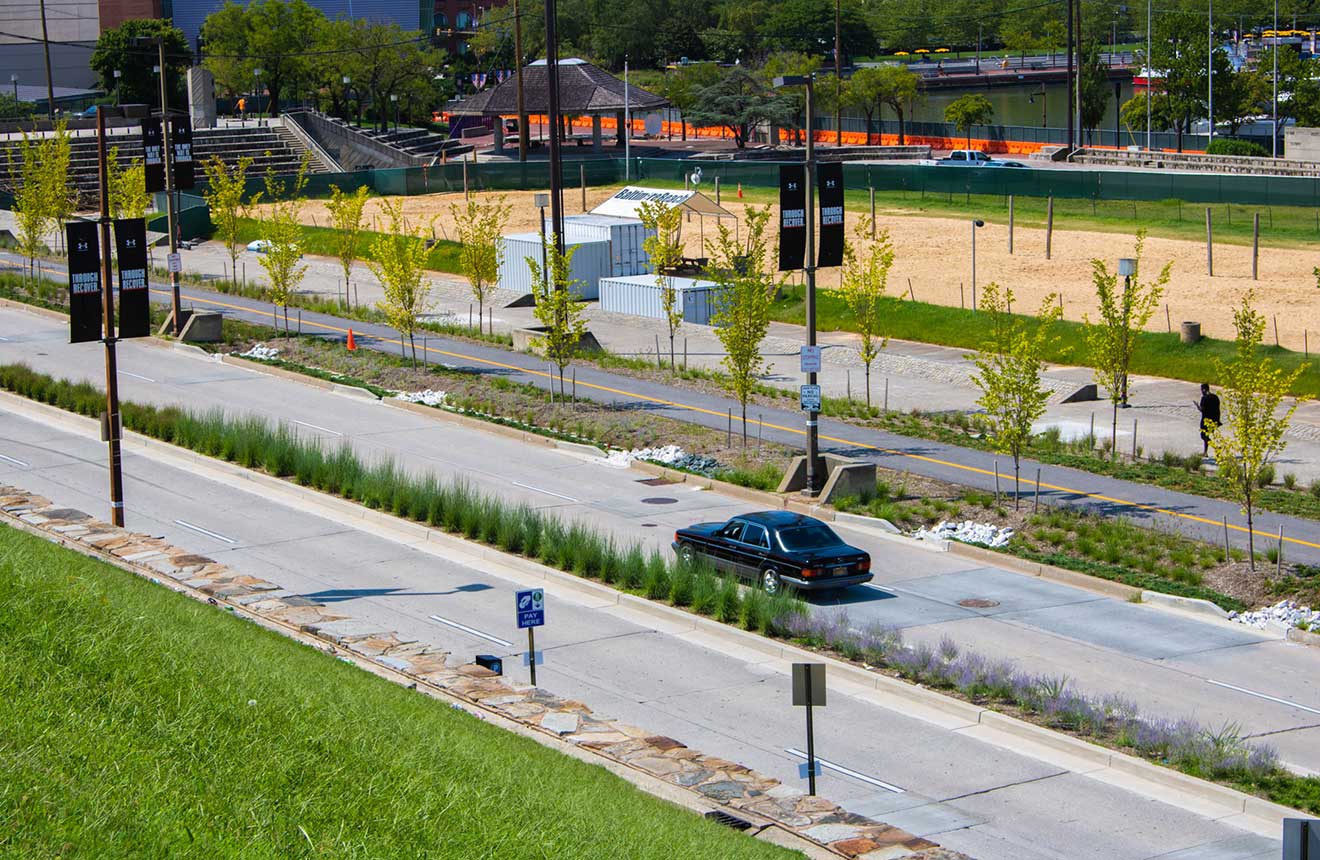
(108,313)
(118,74)
(838,80)
(976,224)
(813,439)
(552,85)
(1274,126)
(1210,69)
(1071,82)
(1149,72)
(50,87)
(518,82)
(167,139)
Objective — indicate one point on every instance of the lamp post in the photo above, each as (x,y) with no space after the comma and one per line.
(809,272)
(256,94)
(168,155)
(1031,99)
(1149,69)
(977,224)
(1274,126)
(394,99)
(1127,267)
(118,74)
(108,313)
(553,119)
(542,200)
(13,79)
(346,80)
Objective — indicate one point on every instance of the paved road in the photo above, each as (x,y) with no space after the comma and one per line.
(953,784)
(1170,664)
(1195,516)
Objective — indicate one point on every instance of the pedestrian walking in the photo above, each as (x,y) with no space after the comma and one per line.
(241,108)
(1208,406)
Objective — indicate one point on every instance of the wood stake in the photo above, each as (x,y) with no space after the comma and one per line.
(728,438)
(996,482)
(1278,560)
(886,393)
(1168,320)
(873,212)
(1134,440)
(1049,225)
(1227,553)
(1255,244)
(1010,223)
(1276,329)
(911,294)
(1209,245)
(1036,506)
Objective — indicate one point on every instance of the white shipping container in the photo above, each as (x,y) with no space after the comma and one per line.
(640,295)
(590,263)
(625,235)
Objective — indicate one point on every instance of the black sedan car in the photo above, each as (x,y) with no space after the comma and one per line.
(777,549)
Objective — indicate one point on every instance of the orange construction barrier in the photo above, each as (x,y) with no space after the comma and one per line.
(352,344)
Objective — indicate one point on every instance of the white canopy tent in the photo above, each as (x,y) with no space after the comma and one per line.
(626,202)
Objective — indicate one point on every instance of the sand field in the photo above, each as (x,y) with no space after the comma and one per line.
(933,256)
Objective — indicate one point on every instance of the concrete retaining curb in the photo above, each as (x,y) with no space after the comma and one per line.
(1303,637)
(1187,791)
(1046,571)
(35,309)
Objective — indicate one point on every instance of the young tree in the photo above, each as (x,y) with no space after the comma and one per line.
(738,101)
(398,260)
(967,111)
(63,196)
(346,216)
(557,306)
(1093,78)
(1123,312)
(664,249)
(33,204)
(866,267)
(283,232)
(1254,417)
(480,227)
(1008,370)
(224,195)
(742,316)
(901,88)
(128,187)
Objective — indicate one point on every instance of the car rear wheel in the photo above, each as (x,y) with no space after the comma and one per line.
(771,584)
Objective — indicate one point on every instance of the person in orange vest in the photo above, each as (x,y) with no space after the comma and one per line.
(241,107)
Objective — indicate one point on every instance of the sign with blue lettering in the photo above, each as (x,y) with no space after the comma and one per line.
(531,608)
(809,397)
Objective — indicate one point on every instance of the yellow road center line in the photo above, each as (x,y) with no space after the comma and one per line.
(794,430)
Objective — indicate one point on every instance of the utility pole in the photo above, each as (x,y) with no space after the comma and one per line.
(1150,71)
(1274,127)
(838,81)
(167,135)
(50,87)
(1071,82)
(809,271)
(1077,89)
(518,82)
(108,314)
(1210,69)
(552,85)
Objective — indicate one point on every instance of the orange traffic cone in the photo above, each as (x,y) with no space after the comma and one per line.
(352,344)
(739,190)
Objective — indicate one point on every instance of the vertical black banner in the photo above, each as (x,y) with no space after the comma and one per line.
(134,300)
(153,153)
(830,182)
(181,157)
(84,281)
(792,217)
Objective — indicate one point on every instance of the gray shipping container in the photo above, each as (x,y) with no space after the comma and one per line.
(639,295)
(591,262)
(625,235)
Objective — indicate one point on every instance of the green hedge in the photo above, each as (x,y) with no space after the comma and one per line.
(1233,146)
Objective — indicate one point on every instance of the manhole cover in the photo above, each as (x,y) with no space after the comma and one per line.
(648,525)
(659,500)
(978,603)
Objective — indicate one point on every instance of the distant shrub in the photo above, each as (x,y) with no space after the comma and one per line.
(1233,146)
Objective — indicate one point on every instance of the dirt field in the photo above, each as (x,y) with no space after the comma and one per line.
(934,254)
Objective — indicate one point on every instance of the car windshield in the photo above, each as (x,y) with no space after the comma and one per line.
(808,537)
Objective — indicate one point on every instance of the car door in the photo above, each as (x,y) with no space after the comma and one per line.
(751,549)
(723,547)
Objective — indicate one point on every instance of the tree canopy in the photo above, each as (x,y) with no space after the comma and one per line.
(138,84)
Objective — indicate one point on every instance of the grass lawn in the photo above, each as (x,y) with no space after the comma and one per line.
(139,723)
(1156,354)
(322,241)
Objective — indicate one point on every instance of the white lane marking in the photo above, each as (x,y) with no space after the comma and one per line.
(137,376)
(829,765)
(5,339)
(206,532)
(14,461)
(1290,704)
(454,624)
(319,427)
(547,492)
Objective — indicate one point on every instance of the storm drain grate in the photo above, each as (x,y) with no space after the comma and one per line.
(978,603)
(659,500)
(654,482)
(719,816)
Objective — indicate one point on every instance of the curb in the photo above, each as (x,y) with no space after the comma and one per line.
(35,309)
(1231,801)
(1303,637)
(1184,604)
(1046,571)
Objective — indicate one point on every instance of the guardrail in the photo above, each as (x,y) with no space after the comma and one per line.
(308,141)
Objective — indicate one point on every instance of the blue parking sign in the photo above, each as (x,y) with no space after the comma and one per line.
(531,608)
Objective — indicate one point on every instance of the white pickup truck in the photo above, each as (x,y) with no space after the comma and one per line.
(973,158)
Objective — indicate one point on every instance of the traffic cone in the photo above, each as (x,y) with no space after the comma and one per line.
(739,190)
(352,344)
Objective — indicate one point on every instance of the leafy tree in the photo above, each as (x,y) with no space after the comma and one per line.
(55,173)
(807,27)
(128,186)
(664,249)
(224,192)
(346,216)
(1133,113)
(682,85)
(398,260)
(864,92)
(32,199)
(738,101)
(794,99)
(866,265)
(967,111)
(282,230)
(1093,78)
(139,84)
(10,108)
(742,315)
(1296,76)
(480,227)
(1243,95)
(1254,415)
(1008,368)
(389,58)
(1123,312)
(270,36)
(901,88)
(557,306)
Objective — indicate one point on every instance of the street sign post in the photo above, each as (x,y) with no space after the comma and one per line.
(810,359)
(1301,839)
(809,398)
(809,692)
(530,605)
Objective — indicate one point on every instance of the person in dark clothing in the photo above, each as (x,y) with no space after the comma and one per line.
(1209,409)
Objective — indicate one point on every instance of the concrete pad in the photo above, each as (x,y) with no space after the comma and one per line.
(1245,847)
(1127,629)
(1014,592)
(874,604)
(931,819)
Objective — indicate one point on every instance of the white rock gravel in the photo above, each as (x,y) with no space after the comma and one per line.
(967,531)
(667,455)
(261,352)
(428,397)
(1285,612)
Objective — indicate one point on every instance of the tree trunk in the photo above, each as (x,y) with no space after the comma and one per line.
(744,422)
(1251,529)
(672,366)
(901,137)
(868,385)
(412,342)
(1113,434)
(1017,484)
(683,124)
(286,320)
(481,311)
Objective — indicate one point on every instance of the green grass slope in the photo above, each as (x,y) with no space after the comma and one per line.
(135,722)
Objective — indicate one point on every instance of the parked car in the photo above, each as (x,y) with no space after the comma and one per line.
(974,158)
(777,549)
